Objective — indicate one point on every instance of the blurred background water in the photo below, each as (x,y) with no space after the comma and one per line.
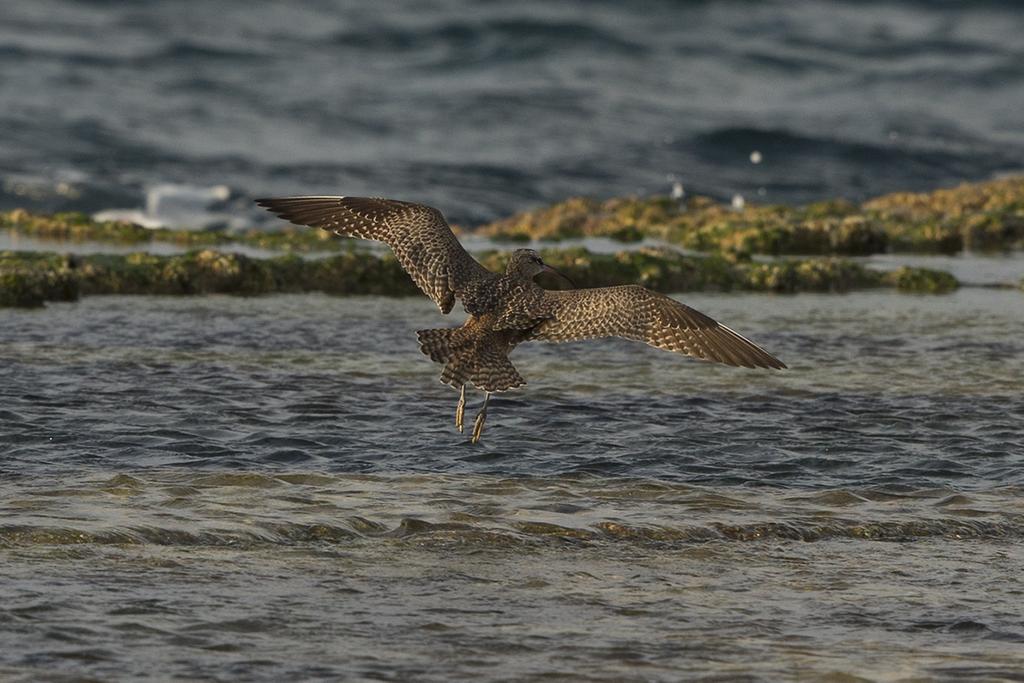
(487,108)
(218,488)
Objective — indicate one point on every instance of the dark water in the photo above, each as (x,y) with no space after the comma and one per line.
(221,488)
(486,108)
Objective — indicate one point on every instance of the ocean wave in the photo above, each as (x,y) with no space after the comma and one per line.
(254,509)
(514,533)
(489,41)
(178,51)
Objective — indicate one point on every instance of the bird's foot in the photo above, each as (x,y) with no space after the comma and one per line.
(478,425)
(460,409)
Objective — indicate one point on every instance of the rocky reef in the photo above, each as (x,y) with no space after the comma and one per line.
(739,248)
(29,279)
(981,216)
(666,270)
(77,227)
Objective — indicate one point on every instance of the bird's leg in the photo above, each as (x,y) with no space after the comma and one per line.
(460,409)
(478,426)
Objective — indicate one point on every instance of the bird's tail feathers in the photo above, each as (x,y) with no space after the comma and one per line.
(440,345)
(468,361)
(491,373)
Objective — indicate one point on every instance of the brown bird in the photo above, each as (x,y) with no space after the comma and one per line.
(506,309)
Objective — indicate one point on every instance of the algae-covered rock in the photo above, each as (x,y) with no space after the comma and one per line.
(78,227)
(814,275)
(574,217)
(781,230)
(20,289)
(210,271)
(666,270)
(358,273)
(28,279)
(29,282)
(661,269)
(703,225)
(72,226)
(921,280)
(987,215)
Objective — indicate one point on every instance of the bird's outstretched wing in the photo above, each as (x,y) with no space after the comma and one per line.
(636,313)
(418,235)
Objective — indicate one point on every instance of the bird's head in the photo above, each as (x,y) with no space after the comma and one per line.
(527,264)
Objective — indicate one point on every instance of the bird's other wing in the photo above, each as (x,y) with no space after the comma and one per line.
(634,312)
(419,236)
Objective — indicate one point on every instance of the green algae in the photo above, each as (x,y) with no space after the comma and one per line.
(666,270)
(920,280)
(29,279)
(72,226)
(214,272)
(77,227)
(810,275)
(984,216)
(981,216)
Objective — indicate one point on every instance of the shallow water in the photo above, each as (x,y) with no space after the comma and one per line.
(986,270)
(11,240)
(227,488)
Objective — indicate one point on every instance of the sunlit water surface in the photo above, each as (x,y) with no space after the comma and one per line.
(225,488)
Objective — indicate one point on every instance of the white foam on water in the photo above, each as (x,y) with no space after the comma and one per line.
(170,205)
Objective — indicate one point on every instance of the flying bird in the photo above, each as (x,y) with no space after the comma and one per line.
(507,309)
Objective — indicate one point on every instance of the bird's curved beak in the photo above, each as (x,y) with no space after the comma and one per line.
(549,269)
